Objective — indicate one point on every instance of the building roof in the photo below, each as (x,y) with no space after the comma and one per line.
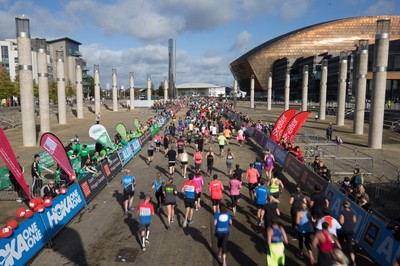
(197,86)
(65,39)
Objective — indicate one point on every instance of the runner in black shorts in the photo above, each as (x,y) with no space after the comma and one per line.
(171,160)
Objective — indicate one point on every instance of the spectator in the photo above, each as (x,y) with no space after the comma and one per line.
(315,165)
(325,173)
(36,177)
(356,179)
(360,193)
(16,186)
(338,140)
(49,190)
(345,186)
(329,131)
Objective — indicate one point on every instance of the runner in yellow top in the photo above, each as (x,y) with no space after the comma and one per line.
(227,134)
(275,185)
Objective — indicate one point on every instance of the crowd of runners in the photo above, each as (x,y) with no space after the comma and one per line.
(204,124)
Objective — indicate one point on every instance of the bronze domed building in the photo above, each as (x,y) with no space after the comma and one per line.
(312,44)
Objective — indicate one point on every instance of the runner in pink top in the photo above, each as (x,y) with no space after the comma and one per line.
(198,179)
(234,188)
(252,179)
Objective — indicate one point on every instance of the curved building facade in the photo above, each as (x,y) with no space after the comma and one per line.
(330,37)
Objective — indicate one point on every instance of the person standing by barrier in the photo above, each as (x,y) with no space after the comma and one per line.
(170,193)
(269,163)
(318,201)
(234,190)
(297,199)
(215,187)
(356,179)
(36,177)
(210,161)
(324,241)
(128,181)
(222,221)
(158,184)
(275,186)
(252,180)
(276,237)
(329,131)
(189,188)
(347,219)
(304,230)
(145,209)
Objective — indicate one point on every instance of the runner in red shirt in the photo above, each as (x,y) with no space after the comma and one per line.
(216,188)
(252,176)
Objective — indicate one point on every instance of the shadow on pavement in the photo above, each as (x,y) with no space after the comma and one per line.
(74,250)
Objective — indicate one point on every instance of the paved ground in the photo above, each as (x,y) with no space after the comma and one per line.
(100,233)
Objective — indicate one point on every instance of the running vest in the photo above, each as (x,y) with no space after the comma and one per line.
(304,225)
(326,246)
(269,162)
(277,236)
(274,187)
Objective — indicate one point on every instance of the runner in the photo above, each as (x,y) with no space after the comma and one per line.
(180,144)
(297,199)
(210,161)
(129,183)
(323,240)
(198,179)
(189,188)
(229,157)
(170,193)
(276,237)
(145,209)
(166,144)
(275,186)
(269,163)
(261,193)
(184,163)
(222,221)
(221,143)
(234,189)
(197,157)
(259,165)
(227,133)
(171,160)
(304,230)
(216,188)
(252,177)
(240,137)
(158,184)
(347,219)
(150,150)
(157,140)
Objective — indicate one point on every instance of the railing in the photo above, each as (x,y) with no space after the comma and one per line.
(7,122)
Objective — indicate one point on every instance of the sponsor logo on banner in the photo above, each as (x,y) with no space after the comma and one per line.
(63,209)
(294,126)
(280,155)
(112,166)
(26,241)
(50,146)
(281,124)
(91,184)
(135,146)
(125,154)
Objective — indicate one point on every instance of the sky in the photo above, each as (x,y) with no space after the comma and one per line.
(132,35)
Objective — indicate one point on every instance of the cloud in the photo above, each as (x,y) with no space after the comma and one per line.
(381,7)
(241,42)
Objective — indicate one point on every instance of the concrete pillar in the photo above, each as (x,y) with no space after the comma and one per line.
(132,89)
(341,96)
(269,92)
(379,84)
(235,89)
(322,90)
(26,82)
(62,105)
(287,90)
(96,89)
(148,91)
(79,90)
(304,93)
(361,88)
(114,90)
(43,80)
(252,92)
(165,89)
(172,69)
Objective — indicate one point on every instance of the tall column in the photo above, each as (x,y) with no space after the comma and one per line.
(341,96)
(269,92)
(322,90)
(148,91)
(252,92)
(43,76)
(361,88)
(235,89)
(114,90)
(132,89)
(287,89)
(96,89)
(379,84)
(62,106)
(165,89)
(79,90)
(26,81)
(171,69)
(304,93)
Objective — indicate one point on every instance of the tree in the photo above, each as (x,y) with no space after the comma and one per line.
(6,85)
(90,80)
(69,90)
(160,91)
(53,92)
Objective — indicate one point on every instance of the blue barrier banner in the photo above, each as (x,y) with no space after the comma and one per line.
(63,209)
(91,184)
(294,168)
(379,242)
(336,199)
(270,145)
(125,154)
(280,155)
(250,131)
(111,166)
(135,146)
(309,179)
(25,242)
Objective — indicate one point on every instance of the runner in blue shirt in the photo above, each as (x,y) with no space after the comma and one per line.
(128,182)
(259,165)
(261,193)
(222,221)
(158,184)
